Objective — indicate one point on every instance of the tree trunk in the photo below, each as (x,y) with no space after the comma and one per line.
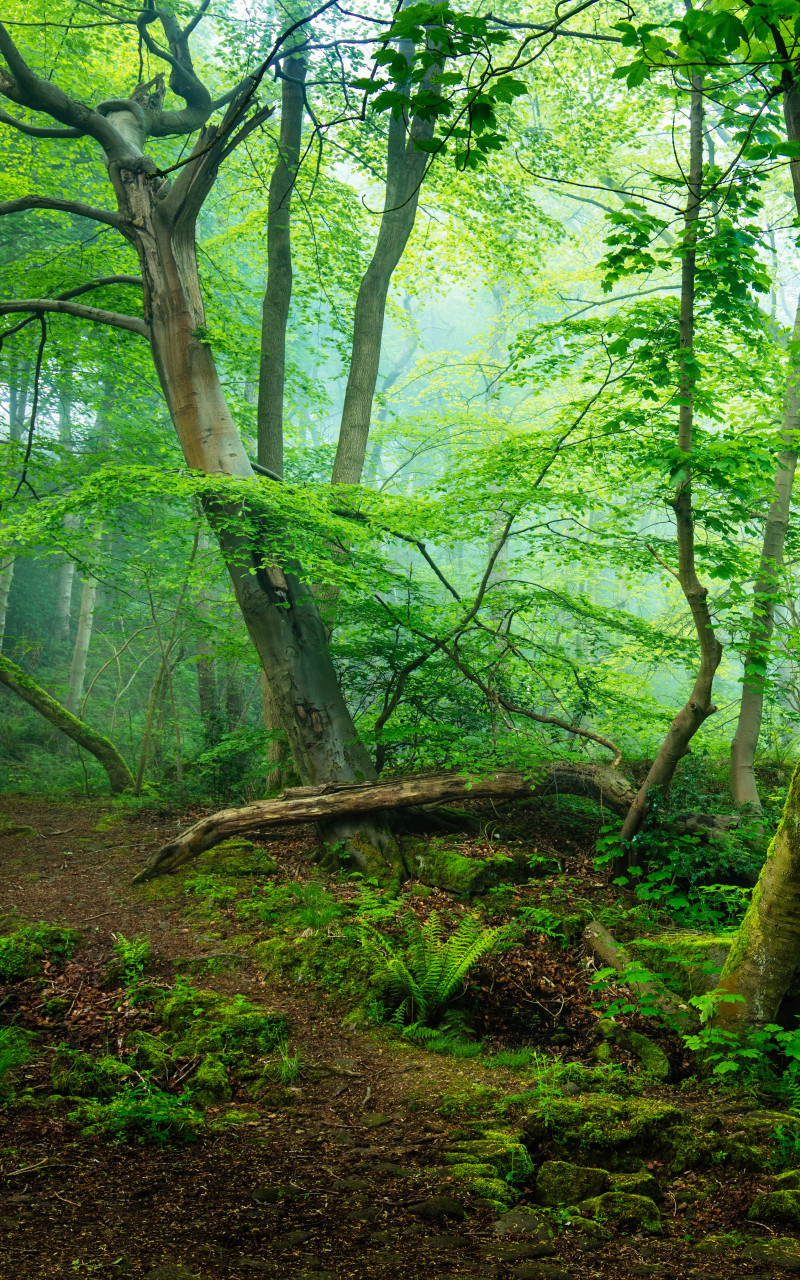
(6,578)
(744,788)
(119,775)
(77,671)
(63,602)
(405,168)
(278,608)
(278,293)
(765,955)
(279,762)
(208,694)
(699,706)
(339,805)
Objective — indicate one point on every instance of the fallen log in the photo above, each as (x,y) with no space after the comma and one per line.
(678,1014)
(597,782)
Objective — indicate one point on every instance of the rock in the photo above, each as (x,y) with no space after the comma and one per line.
(351,1184)
(396,1170)
(445,1242)
(416,1230)
(344,1138)
(600,1128)
(375,1121)
(258,1264)
(789,1181)
(514,1252)
(438,1207)
(169,1271)
(291,1240)
(638,1184)
(782,1251)
(320,1275)
(570,1091)
(781,1207)
(502,1150)
(560,1183)
(364,1215)
(647,1269)
(635,1212)
(712,1246)
(540,1271)
(588,1244)
(522,1222)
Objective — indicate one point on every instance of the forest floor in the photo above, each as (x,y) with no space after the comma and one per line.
(322,1174)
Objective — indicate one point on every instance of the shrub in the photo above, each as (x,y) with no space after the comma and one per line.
(429,974)
(14,1052)
(133,956)
(21,950)
(151,1115)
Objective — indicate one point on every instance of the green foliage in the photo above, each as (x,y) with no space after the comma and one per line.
(143,1114)
(429,972)
(756,1057)
(22,950)
(15,1051)
(133,956)
(77,1074)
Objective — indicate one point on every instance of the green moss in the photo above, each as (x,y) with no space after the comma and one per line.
(652,1058)
(23,950)
(779,1207)
(210,1082)
(637,1184)
(601,1130)
(436,863)
(631,1212)
(559,1183)
(206,1021)
(494,1189)
(470,1169)
(79,1075)
(503,1151)
(152,1054)
(688,959)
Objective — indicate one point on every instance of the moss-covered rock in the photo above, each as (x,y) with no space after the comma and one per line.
(493,1189)
(788,1181)
(637,1184)
(782,1252)
(503,1151)
(779,1207)
(210,1082)
(603,1131)
(436,863)
(692,961)
(152,1054)
(651,1056)
(636,1213)
(559,1182)
(206,1020)
(79,1075)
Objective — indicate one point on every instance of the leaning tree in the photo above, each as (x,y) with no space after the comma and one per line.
(156,211)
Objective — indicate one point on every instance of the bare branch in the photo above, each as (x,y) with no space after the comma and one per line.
(108,216)
(36,131)
(62,307)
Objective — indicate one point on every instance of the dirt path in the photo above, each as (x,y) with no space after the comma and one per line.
(325,1186)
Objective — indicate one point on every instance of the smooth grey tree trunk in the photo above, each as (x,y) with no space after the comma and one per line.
(80,654)
(278,291)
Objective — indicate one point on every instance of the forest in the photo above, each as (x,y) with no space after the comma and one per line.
(399,649)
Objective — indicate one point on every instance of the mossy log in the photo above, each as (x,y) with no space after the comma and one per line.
(324,804)
(119,775)
(677,1013)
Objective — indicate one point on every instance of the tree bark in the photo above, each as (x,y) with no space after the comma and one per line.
(77,671)
(119,775)
(699,706)
(744,787)
(63,602)
(765,955)
(405,169)
(678,1014)
(278,292)
(337,804)
(6,578)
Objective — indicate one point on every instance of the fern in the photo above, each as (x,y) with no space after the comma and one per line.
(429,973)
(14,1052)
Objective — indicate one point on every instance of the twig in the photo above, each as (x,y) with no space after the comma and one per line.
(366,1097)
(66,1201)
(65,832)
(99,916)
(75,1001)
(27,1168)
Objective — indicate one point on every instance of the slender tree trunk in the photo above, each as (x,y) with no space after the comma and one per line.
(152,707)
(63,602)
(699,706)
(119,775)
(278,293)
(278,757)
(80,653)
(66,570)
(6,578)
(744,788)
(405,168)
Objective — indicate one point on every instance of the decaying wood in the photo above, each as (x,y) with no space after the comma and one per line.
(322,804)
(606,947)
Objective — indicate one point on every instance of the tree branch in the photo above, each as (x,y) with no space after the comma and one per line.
(80,210)
(37,131)
(62,307)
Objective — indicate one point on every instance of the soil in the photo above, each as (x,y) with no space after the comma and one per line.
(354,1142)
